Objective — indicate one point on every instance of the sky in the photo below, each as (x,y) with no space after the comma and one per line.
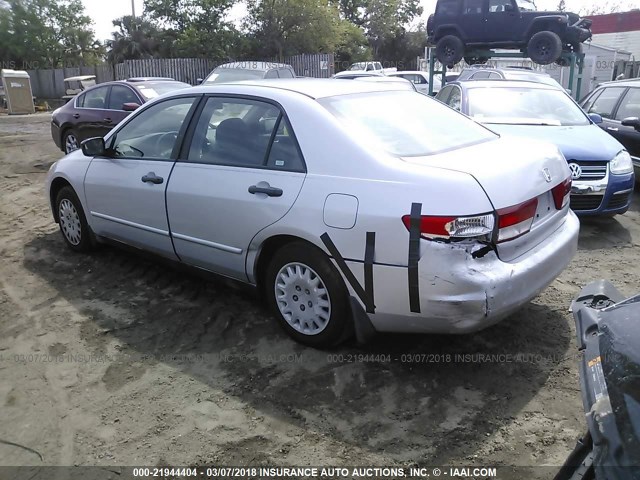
(104,12)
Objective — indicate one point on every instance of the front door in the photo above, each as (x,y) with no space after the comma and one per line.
(502,21)
(243,172)
(629,136)
(126,192)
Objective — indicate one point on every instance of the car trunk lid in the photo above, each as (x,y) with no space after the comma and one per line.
(512,172)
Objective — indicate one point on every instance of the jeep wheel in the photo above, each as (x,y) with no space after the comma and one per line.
(545,48)
(449,50)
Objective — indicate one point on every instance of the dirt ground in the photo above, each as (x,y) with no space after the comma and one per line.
(111,359)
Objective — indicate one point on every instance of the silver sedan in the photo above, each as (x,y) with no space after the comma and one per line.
(353,206)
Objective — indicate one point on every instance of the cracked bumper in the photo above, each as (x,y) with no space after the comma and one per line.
(460,294)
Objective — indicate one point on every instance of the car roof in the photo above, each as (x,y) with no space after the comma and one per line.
(502,83)
(150,79)
(312,87)
(628,82)
(400,72)
(254,65)
(79,78)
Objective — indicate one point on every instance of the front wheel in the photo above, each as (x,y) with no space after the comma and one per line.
(73,223)
(545,48)
(307,295)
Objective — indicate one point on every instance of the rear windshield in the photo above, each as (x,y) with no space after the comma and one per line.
(524,106)
(155,89)
(226,75)
(406,124)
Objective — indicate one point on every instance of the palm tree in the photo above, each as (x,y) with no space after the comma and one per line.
(133,40)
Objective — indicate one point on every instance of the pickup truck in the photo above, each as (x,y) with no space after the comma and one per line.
(371,67)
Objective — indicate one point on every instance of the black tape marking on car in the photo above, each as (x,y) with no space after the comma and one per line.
(414,257)
(366,297)
(369,257)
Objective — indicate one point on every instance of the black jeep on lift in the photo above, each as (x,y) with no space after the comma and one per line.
(460,27)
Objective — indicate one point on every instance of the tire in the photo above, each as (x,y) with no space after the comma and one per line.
(545,48)
(69,139)
(449,50)
(73,223)
(293,287)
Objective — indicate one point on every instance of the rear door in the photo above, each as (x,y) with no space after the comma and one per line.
(242,171)
(126,192)
(90,113)
(502,21)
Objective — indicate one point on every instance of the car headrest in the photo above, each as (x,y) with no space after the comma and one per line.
(232,131)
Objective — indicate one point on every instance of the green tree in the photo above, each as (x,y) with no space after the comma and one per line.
(381,20)
(562,7)
(197,28)
(135,38)
(289,27)
(48,33)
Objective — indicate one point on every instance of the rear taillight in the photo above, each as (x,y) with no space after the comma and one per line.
(454,227)
(561,194)
(513,222)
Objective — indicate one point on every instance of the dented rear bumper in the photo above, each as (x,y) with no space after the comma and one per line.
(459,293)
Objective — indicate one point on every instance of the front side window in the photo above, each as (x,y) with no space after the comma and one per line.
(499,6)
(96,98)
(455,100)
(121,95)
(154,132)
(526,5)
(244,133)
(630,106)
(443,95)
(405,124)
(524,106)
(606,102)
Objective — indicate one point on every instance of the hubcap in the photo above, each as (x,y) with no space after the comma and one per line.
(70,222)
(71,143)
(303,299)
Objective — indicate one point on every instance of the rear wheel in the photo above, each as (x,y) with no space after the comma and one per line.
(545,48)
(449,50)
(70,142)
(307,295)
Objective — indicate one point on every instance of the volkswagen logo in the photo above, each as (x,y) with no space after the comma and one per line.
(576,171)
(547,174)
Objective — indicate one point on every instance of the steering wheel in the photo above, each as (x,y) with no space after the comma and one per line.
(165,143)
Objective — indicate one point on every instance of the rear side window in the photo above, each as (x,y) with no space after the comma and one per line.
(244,133)
(606,102)
(272,74)
(455,100)
(472,7)
(443,95)
(499,6)
(448,7)
(630,106)
(96,98)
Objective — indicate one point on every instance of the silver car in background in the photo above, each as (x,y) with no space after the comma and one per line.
(348,204)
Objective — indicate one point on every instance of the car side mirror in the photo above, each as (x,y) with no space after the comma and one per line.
(130,107)
(596,118)
(199,81)
(94,147)
(632,122)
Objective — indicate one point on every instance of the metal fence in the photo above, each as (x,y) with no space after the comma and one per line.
(187,70)
(49,84)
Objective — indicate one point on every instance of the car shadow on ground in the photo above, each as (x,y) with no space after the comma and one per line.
(597,233)
(408,396)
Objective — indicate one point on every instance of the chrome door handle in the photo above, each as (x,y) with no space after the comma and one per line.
(613,129)
(270,191)
(152,178)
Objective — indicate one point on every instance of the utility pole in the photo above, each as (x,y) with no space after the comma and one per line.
(133,8)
